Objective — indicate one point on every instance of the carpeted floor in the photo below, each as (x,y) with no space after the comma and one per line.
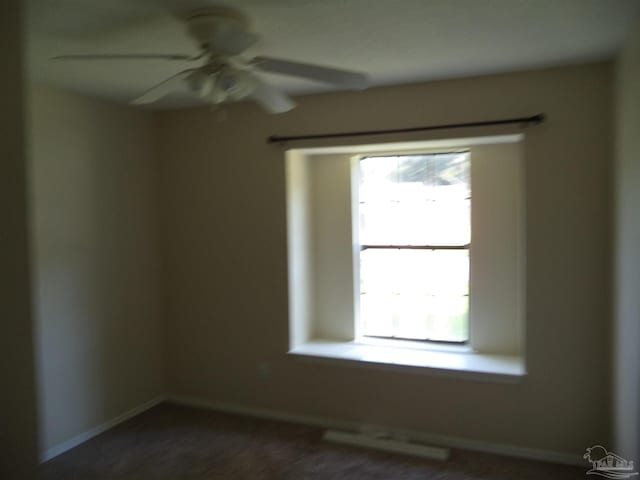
(170,442)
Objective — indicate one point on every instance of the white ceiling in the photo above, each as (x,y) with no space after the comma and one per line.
(396,41)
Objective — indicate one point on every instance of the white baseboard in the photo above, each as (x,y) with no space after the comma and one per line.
(425,438)
(103,427)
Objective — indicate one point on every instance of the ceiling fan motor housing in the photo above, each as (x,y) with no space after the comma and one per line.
(207,25)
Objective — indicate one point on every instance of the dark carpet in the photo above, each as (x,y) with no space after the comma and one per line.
(172,442)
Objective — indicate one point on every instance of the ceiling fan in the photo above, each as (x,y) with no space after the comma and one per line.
(222,34)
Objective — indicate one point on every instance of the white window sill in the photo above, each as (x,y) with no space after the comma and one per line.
(455,362)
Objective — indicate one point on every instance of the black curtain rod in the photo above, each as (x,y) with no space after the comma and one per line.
(534,119)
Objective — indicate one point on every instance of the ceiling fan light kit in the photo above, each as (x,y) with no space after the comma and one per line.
(222,34)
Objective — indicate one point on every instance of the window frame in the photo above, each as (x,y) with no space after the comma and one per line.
(355,183)
(333,332)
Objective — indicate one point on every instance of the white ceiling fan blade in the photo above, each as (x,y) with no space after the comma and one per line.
(163,88)
(269,98)
(334,76)
(128,57)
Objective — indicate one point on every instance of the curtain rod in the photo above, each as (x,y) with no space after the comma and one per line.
(534,120)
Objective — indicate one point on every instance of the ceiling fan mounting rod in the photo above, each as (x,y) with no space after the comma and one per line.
(219,12)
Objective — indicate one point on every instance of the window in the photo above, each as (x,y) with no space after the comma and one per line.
(385,241)
(415,233)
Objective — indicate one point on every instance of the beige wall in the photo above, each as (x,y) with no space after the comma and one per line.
(95,265)
(331,247)
(299,243)
(497,269)
(224,243)
(17,395)
(627,277)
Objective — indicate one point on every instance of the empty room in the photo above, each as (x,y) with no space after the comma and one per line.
(291,239)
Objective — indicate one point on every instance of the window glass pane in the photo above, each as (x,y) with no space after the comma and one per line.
(416,294)
(415,200)
(378,310)
(377,179)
